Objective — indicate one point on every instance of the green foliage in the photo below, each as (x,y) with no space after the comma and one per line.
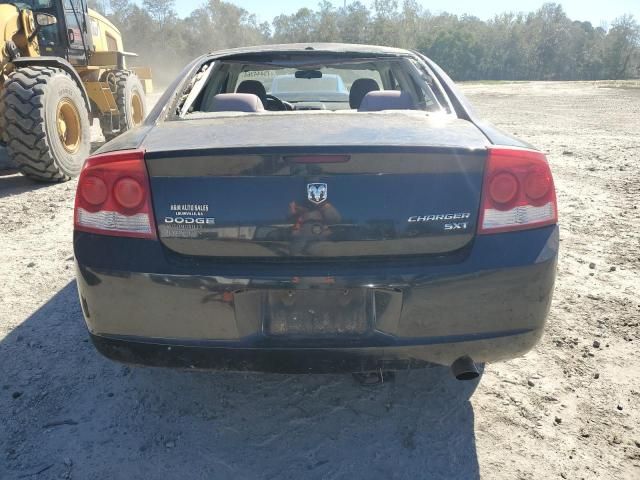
(541,45)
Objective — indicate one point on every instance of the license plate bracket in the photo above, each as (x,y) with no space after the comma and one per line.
(319,312)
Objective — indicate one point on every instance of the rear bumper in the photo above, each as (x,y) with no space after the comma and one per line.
(143,305)
(204,356)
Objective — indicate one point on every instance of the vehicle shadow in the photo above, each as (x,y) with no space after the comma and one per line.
(12,182)
(68,412)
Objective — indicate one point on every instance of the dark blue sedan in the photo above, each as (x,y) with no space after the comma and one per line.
(386,229)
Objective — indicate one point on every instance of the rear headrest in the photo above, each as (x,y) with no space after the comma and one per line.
(359,88)
(386,100)
(237,102)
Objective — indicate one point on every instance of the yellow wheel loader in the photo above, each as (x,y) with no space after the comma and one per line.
(63,65)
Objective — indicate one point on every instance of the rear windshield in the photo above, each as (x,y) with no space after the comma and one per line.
(293,82)
(328,83)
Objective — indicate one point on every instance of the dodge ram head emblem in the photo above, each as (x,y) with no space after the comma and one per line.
(317,192)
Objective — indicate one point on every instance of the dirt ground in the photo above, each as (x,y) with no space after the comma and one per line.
(569,409)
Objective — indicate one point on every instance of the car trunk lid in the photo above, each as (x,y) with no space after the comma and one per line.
(365,186)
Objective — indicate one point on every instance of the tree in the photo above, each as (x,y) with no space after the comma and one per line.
(386,23)
(298,27)
(326,23)
(548,32)
(162,11)
(621,48)
(457,51)
(354,23)
(544,44)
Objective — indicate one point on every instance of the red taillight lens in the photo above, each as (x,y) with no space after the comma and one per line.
(94,191)
(128,192)
(537,185)
(114,197)
(503,188)
(518,191)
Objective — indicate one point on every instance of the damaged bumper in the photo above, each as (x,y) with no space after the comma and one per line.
(146,305)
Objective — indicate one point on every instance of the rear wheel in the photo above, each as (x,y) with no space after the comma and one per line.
(130,99)
(45,123)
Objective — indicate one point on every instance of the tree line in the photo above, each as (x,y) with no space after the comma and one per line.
(541,45)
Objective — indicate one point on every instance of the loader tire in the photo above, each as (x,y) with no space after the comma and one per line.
(130,99)
(45,123)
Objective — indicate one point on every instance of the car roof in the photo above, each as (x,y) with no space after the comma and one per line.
(313,48)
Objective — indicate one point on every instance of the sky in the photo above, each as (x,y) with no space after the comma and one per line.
(597,12)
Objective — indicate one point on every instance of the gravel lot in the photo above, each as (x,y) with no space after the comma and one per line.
(569,409)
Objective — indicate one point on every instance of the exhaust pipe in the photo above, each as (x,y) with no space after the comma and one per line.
(464,369)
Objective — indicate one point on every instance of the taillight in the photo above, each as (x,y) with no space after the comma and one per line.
(518,192)
(113,196)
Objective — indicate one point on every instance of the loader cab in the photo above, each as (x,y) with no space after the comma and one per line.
(69,37)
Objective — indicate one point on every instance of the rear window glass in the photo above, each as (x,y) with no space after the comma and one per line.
(289,83)
(331,84)
(285,81)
